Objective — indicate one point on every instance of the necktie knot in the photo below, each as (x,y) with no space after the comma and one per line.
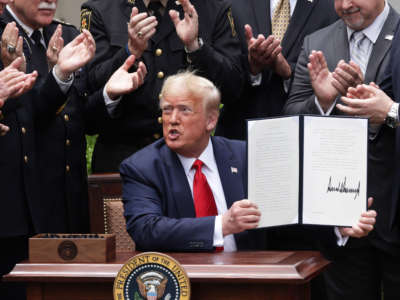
(37,37)
(197,165)
(154,9)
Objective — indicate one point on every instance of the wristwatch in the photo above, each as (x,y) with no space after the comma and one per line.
(392,118)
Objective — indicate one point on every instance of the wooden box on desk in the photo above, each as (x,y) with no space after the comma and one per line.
(71,248)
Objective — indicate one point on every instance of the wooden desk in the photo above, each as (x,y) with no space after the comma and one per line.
(241,275)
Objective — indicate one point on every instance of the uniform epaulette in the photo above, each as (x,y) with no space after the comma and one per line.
(58,21)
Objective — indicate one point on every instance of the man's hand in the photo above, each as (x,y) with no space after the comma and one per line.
(13,83)
(241,216)
(372,103)
(3,129)
(347,75)
(265,53)
(187,28)
(56,44)
(75,55)
(141,28)
(122,82)
(12,46)
(364,225)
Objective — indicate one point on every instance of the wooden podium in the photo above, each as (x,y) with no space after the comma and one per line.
(213,276)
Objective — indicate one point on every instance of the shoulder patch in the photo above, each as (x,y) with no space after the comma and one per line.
(231,22)
(86,16)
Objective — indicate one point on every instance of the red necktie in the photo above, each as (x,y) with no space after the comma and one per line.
(204,202)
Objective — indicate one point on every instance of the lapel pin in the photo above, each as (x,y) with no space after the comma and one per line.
(389,37)
(234,170)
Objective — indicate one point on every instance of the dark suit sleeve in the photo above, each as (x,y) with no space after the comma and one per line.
(301,96)
(110,51)
(146,221)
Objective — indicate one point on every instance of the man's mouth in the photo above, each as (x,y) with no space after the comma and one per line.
(350,12)
(173,134)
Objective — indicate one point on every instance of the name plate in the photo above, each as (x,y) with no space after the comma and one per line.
(71,248)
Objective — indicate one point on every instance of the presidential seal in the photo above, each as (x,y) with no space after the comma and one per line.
(152,276)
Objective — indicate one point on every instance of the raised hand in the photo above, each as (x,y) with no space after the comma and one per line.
(187,28)
(141,28)
(12,46)
(265,53)
(56,44)
(364,225)
(347,75)
(13,82)
(367,101)
(75,55)
(242,215)
(122,82)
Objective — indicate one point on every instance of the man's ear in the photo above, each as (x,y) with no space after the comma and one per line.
(212,120)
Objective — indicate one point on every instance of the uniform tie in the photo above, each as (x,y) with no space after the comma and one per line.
(204,202)
(39,58)
(280,19)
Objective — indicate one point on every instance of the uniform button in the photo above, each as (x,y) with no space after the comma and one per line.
(23,130)
(160,75)
(66,118)
(67,168)
(158,52)
(156,136)
(26,159)
(159,120)
(67,142)
(85,94)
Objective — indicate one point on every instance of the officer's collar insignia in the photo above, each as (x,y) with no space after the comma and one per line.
(131,2)
(151,276)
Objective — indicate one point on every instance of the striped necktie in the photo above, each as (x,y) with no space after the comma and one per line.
(359,52)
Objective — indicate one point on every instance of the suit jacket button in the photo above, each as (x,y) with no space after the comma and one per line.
(67,142)
(156,136)
(160,75)
(23,130)
(159,120)
(26,159)
(67,168)
(66,118)
(159,52)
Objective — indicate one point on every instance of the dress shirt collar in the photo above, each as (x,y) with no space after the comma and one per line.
(163,2)
(207,157)
(372,31)
(28,30)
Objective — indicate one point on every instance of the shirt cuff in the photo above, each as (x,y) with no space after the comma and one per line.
(321,111)
(341,240)
(64,85)
(255,79)
(110,104)
(218,240)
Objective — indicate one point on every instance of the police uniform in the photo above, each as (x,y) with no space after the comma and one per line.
(139,121)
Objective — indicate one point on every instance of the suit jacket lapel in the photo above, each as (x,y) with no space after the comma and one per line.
(300,15)
(181,193)
(381,47)
(232,181)
(340,47)
(262,13)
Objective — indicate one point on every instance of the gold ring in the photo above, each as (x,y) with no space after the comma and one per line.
(140,34)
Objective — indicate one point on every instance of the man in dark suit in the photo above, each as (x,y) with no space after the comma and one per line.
(324,73)
(269,60)
(186,192)
(204,40)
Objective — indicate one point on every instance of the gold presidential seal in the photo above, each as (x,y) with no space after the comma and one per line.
(152,276)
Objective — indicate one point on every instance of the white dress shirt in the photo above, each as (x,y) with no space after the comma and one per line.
(210,171)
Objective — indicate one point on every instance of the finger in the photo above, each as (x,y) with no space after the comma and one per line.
(347,110)
(138,18)
(370,201)
(128,63)
(4,129)
(339,83)
(16,63)
(374,85)
(354,103)
(248,31)
(20,45)
(174,17)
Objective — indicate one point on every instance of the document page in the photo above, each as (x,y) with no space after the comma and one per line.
(273,174)
(335,170)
